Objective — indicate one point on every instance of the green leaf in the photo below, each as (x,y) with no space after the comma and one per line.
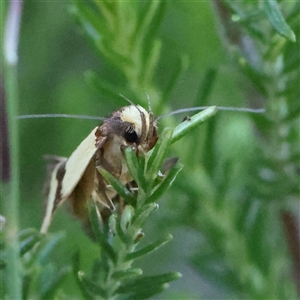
(149,248)
(209,154)
(116,184)
(148,282)
(101,86)
(276,18)
(146,293)
(182,129)
(46,246)
(91,22)
(146,28)
(126,217)
(158,154)
(258,79)
(151,62)
(167,182)
(25,233)
(27,244)
(100,236)
(51,283)
(121,233)
(135,168)
(127,274)
(76,270)
(206,86)
(90,287)
(143,213)
(28,238)
(180,67)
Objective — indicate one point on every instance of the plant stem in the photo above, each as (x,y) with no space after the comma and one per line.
(11,192)
(11,179)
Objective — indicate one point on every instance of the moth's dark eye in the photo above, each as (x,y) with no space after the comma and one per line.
(130,135)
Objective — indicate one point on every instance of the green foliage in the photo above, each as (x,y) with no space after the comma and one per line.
(126,36)
(39,275)
(113,276)
(241,200)
(238,195)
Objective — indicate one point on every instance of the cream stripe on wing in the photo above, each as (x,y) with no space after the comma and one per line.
(51,198)
(77,164)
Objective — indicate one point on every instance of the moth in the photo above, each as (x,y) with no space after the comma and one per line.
(77,179)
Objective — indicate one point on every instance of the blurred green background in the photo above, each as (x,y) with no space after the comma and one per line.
(54,58)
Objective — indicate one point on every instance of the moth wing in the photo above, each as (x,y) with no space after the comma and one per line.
(52,186)
(78,162)
(66,174)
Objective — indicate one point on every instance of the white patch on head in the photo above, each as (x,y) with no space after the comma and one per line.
(132,114)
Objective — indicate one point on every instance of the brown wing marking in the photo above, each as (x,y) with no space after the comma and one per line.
(83,191)
(52,197)
(67,174)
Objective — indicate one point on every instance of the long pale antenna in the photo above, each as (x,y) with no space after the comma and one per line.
(43,116)
(178,111)
(149,102)
(127,99)
(239,109)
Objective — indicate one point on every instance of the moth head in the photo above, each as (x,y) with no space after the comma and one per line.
(134,125)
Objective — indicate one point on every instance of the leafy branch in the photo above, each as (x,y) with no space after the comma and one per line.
(241,201)
(126,35)
(113,276)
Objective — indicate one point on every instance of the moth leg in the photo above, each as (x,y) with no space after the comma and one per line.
(101,190)
(97,198)
(132,186)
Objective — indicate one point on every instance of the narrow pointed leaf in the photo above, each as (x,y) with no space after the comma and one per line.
(157,156)
(134,168)
(46,246)
(126,217)
(147,293)
(91,287)
(167,182)
(103,87)
(100,236)
(146,19)
(209,154)
(183,128)
(149,248)
(27,244)
(180,68)
(117,185)
(76,268)
(90,20)
(276,18)
(121,234)
(148,282)
(206,86)
(25,233)
(142,214)
(128,274)
(151,62)
(50,289)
